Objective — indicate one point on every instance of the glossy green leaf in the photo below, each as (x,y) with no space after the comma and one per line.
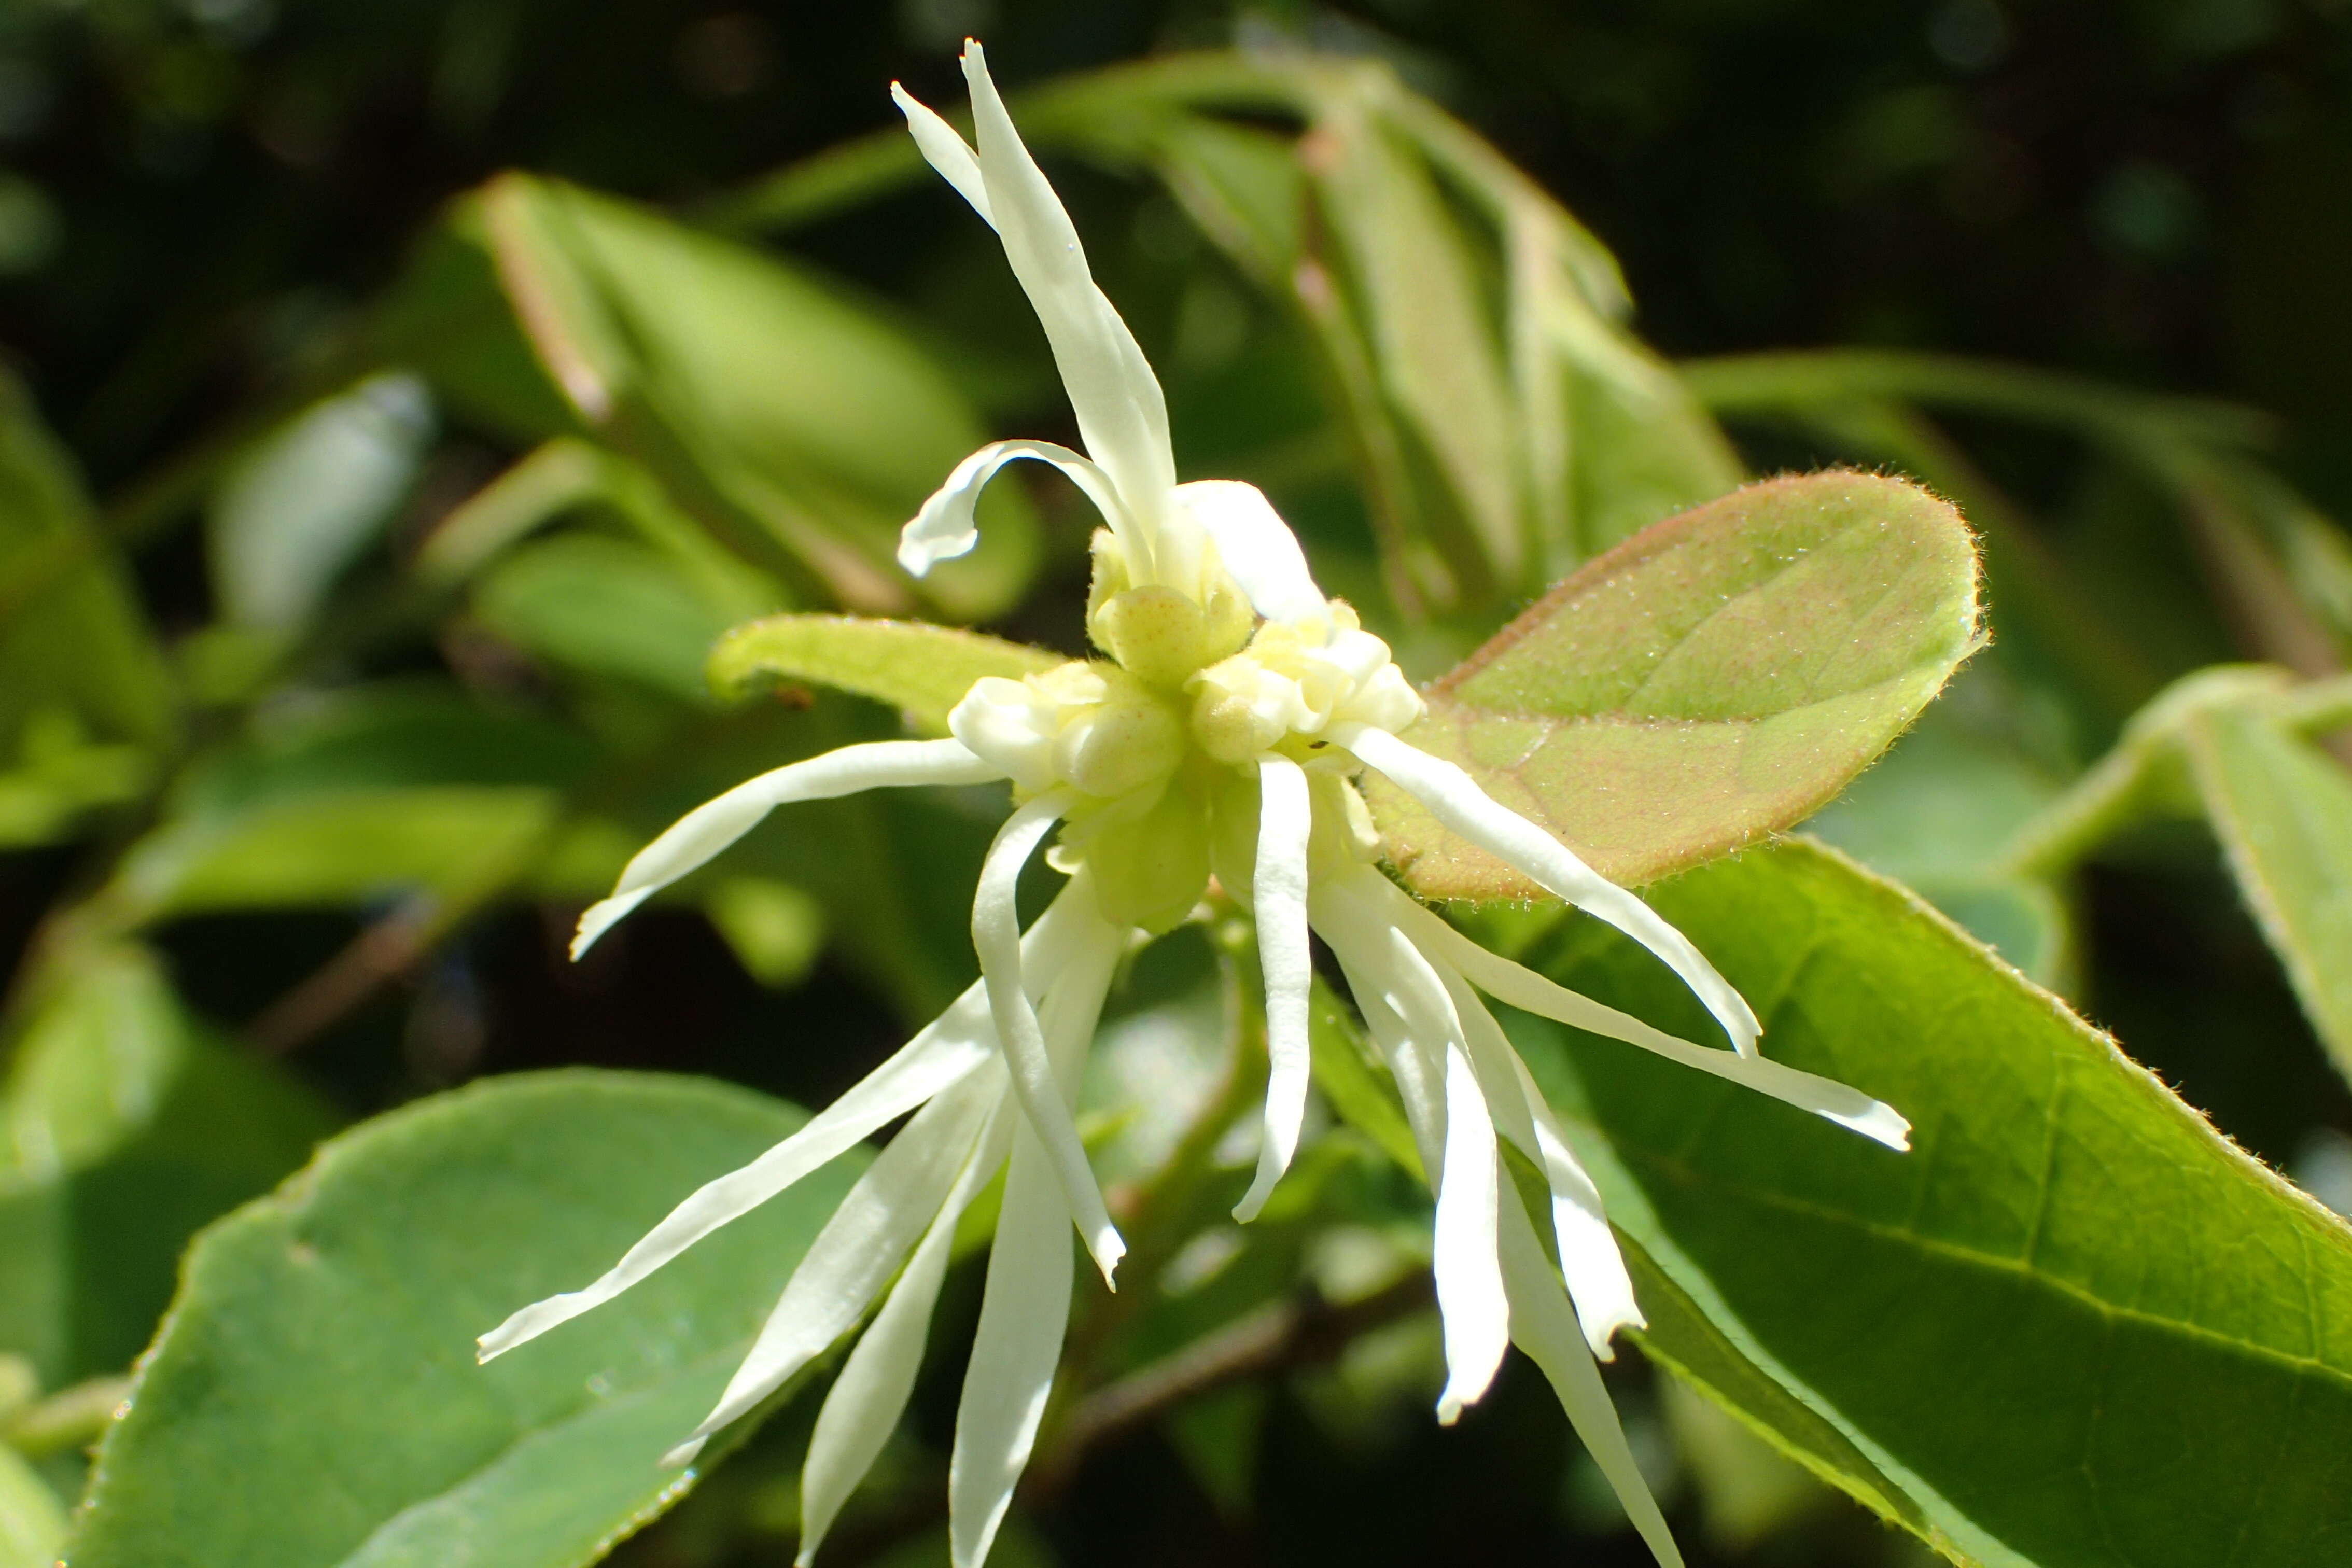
(1719,676)
(921,669)
(2073,1326)
(313,1399)
(128,1126)
(2282,809)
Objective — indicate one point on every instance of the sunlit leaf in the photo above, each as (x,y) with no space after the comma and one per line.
(2072,1326)
(1719,676)
(799,427)
(313,1399)
(300,507)
(921,669)
(2282,809)
(128,1125)
(608,605)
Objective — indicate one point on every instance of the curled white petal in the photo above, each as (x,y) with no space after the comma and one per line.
(693,839)
(945,527)
(884,1215)
(1278,896)
(1121,410)
(863,1404)
(1455,798)
(1024,1309)
(1257,546)
(1543,1326)
(944,150)
(1471,1308)
(996,932)
(1524,989)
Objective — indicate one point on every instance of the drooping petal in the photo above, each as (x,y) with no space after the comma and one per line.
(1278,896)
(945,151)
(945,528)
(866,1401)
(693,839)
(1471,1305)
(1531,993)
(859,1248)
(996,933)
(1022,1315)
(1362,946)
(1121,410)
(959,1040)
(1589,1258)
(1455,798)
(1543,1326)
(1257,547)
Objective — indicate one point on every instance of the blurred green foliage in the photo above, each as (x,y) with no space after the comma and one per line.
(406,398)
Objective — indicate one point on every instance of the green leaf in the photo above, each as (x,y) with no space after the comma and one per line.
(32,1519)
(128,1126)
(799,427)
(307,500)
(2282,809)
(2073,1326)
(921,669)
(84,693)
(607,605)
(1717,676)
(313,1398)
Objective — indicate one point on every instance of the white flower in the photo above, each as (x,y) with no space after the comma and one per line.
(1221,737)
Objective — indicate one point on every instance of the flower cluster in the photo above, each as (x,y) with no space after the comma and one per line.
(1218,737)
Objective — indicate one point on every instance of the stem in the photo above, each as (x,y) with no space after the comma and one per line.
(70,1418)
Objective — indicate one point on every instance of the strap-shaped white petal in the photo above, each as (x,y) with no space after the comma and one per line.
(959,1040)
(1474,1313)
(1589,1258)
(1543,1326)
(1257,547)
(1524,989)
(996,934)
(1121,410)
(1455,798)
(693,839)
(1278,898)
(884,1215)
(1022,1315)
(1360,944)
(863,1408)
(944,150)
(946,527)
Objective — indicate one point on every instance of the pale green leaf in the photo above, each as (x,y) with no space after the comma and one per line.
(922,670)
(1717,676)
(32,1519)
(2075,1326)
(313,1398)
(2282,809)
(307,500)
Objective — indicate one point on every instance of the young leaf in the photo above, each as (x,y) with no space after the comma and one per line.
(2074,1325)
(921,669)
(313,1398)
(1718,676)
(128,1126)
(2282,809)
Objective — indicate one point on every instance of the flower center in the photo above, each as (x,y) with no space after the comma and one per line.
(1160,746)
